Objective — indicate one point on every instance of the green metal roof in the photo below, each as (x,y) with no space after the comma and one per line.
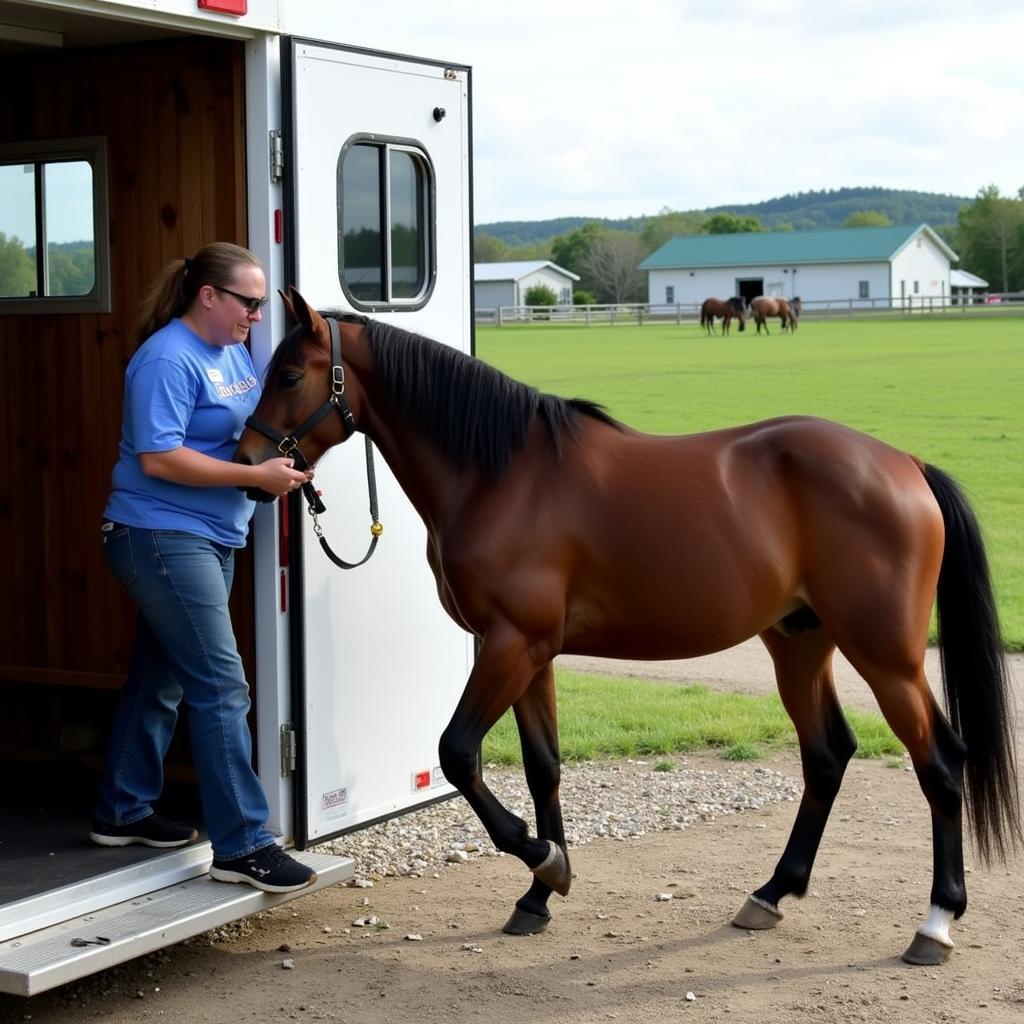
(841,245)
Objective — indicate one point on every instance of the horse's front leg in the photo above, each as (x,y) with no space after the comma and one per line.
(537,718)
(505,666)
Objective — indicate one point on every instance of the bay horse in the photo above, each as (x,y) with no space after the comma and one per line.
(726,309)
(765,306)
(552,527)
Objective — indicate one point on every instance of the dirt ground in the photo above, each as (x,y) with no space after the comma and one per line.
(614,951)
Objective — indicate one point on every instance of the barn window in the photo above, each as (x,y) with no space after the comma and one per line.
(864,290)
(53,227)
(385,223)
(917,287)
(670,293)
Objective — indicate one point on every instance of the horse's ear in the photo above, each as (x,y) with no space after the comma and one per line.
(286,299)
(301,310)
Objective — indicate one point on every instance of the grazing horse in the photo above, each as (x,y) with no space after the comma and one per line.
(726,309)
(765,306)
(552,527)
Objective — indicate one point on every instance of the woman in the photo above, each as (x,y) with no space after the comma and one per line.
(170,530)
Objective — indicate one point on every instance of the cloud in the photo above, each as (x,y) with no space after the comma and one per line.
(579,109)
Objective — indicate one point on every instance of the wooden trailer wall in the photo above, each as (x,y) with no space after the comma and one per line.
(173,116)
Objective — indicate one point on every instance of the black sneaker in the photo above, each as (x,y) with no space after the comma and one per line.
(269,869)
(152,831)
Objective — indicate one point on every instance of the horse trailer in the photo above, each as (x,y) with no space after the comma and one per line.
(133,133)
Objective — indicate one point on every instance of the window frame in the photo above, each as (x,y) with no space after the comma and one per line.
(428,250)
(91,149)
(864,289)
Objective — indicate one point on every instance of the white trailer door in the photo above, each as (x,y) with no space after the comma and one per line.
(381,665)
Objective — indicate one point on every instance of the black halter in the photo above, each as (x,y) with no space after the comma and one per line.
(288,445)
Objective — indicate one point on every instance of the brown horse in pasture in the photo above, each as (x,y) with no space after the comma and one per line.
(764,306)
(726,309)
(552,527)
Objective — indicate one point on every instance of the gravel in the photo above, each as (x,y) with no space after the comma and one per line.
(617,800)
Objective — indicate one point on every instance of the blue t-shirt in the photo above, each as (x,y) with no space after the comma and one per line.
(183,391)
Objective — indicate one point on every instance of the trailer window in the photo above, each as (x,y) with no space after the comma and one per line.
(53,227)
(385,235)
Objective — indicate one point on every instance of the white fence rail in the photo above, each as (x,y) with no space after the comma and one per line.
(889,307)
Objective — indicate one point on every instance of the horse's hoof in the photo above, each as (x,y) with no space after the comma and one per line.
(756,915)
(926,951)
(553,871)
(522,922)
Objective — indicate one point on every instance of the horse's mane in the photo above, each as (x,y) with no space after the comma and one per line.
(472,412)
(737,303)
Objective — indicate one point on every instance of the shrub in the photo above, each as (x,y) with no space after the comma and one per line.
(581,297)
(541,295)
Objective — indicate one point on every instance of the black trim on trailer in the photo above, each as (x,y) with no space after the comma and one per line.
(296,607)
(469,248)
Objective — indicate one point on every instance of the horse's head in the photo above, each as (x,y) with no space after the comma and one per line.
(302,409)
(739,310)
(796,305)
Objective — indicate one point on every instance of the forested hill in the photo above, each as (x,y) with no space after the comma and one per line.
(801,211)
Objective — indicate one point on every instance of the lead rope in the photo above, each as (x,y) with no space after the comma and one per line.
(316,506)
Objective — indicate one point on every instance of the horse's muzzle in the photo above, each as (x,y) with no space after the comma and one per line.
(255,494)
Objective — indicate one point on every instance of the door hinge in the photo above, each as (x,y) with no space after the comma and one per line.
(289,748)
(276,157)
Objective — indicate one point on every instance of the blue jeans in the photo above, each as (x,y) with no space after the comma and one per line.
(184,649)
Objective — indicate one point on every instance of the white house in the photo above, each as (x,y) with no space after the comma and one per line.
(860,265)
(506,284)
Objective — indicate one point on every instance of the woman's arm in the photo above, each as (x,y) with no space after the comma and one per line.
(187,466)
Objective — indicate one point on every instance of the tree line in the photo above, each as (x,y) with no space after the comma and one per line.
(71,268)
(988,237)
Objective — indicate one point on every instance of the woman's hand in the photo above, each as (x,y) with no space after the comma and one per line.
(279,477)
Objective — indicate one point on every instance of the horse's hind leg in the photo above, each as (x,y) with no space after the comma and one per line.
(803,669)
(537,719)
(938,755)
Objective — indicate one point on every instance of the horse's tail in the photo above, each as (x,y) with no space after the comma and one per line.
(974,674)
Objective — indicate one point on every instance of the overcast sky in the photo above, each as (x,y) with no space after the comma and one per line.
(620,109)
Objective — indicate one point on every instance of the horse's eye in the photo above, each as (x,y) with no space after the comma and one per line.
(289,379)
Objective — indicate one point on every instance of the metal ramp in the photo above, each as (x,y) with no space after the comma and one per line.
(46,957)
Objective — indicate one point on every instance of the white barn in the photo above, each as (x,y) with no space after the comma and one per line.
(506,284)
(860,265)
(963,285)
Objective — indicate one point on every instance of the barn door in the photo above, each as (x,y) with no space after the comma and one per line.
(378,152)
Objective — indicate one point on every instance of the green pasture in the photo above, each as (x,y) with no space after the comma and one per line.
(950,391)
(611,718)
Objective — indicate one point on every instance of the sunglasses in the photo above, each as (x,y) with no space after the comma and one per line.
(251,305)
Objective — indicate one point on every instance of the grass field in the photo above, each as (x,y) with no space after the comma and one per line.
(951,392)
(610,718)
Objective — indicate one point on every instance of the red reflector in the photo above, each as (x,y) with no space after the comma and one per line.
(421,780)
(278,227)
(282,532)
(237,7)
(284,591)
